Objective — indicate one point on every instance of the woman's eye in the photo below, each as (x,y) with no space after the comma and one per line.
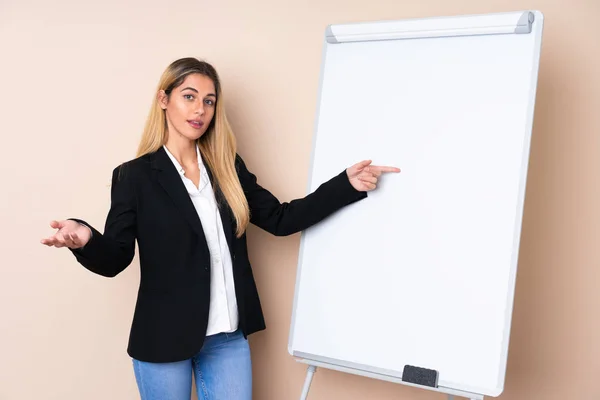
(209,102)
(188,96)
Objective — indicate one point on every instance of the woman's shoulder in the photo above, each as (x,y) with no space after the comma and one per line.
(240,166)
(238,159)
(134,167)
(240,163)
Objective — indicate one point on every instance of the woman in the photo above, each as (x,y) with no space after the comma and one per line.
(187,198)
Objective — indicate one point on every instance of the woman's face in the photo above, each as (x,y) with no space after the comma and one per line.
(190,107)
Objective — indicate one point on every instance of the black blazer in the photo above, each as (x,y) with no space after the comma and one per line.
(149,203)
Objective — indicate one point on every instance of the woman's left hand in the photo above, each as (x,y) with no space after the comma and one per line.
(363,176)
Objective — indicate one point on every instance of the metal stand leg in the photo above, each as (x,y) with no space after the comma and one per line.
(309,375)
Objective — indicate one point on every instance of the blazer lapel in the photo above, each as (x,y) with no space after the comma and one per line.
(169,179)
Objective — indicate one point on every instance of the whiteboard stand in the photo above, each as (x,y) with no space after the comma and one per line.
(449,100)
(312,368)
(310,371)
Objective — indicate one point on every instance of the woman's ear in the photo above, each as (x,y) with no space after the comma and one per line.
(163,99)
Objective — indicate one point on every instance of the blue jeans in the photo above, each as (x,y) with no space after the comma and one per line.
(222,371)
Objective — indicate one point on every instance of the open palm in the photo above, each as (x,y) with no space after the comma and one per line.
(363,176)
(69,234)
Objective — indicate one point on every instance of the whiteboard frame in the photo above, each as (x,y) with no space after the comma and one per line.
(535,19)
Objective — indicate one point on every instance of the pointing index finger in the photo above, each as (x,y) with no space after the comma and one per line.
(385,168)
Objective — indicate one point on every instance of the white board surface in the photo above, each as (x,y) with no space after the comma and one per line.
(422,272)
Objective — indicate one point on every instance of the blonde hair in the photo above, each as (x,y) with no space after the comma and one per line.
(217,146)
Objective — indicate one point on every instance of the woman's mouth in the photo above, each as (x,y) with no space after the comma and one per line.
(196,124)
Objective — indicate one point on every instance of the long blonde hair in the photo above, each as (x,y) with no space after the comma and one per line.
(218,144)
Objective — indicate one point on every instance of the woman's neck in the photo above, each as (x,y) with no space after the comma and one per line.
(184,150)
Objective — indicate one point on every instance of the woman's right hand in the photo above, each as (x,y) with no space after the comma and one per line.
(70,234)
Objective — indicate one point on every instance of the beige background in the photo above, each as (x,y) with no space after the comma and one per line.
(76,82)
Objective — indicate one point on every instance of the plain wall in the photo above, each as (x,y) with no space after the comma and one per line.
(76,82)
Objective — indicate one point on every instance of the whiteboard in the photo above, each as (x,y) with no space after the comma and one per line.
(422,272)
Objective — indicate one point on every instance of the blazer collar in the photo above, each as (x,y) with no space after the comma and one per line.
(169,178)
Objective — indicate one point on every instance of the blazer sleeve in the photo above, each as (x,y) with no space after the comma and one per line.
(109,253)
(287,218)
